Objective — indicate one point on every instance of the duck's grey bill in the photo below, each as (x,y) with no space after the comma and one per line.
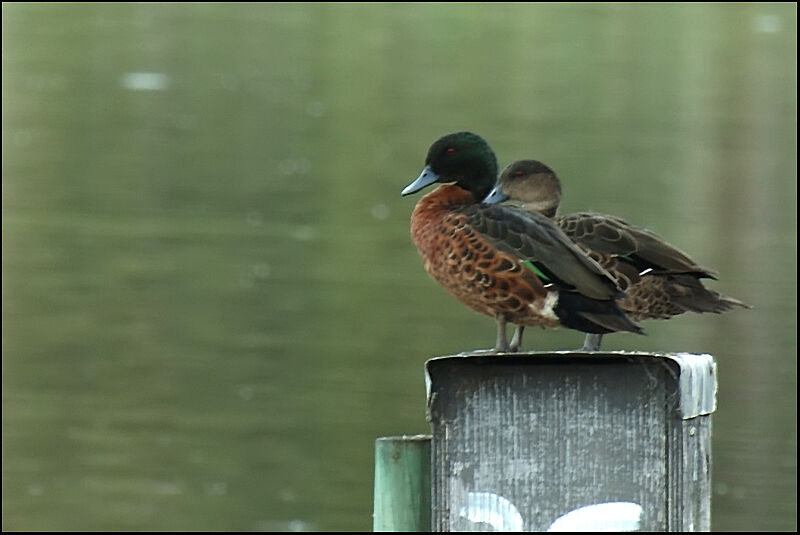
(425,178)
(495,196)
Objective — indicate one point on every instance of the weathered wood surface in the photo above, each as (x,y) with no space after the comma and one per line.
(402,500)
(571,441)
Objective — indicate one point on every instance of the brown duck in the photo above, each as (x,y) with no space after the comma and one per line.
(659,280)
(502,261)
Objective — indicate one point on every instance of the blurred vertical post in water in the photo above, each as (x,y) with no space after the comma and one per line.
(402,484)
(571,441)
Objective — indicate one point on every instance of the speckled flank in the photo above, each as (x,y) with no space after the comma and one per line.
(485,279)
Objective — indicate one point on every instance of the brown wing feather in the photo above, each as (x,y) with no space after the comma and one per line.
(533,237)
(614,236)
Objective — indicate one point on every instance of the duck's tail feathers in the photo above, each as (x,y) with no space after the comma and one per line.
(689,293)
(582,313)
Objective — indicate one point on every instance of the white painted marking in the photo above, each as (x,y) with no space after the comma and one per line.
(612,516)
(489,508)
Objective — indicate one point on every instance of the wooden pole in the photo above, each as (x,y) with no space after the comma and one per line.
(571,441)
(402,483)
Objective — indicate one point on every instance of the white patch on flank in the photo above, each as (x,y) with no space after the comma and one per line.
(646,271)
(547,307)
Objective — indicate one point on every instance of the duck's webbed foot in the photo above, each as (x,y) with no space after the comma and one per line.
(491,351)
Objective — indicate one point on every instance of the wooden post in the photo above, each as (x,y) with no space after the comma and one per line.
(402,484)
(571,441)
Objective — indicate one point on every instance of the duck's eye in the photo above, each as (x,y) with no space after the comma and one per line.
(451,150)
(518,174)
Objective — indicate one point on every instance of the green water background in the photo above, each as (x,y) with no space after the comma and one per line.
(211,304)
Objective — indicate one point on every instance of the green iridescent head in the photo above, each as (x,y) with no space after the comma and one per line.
(464,158)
